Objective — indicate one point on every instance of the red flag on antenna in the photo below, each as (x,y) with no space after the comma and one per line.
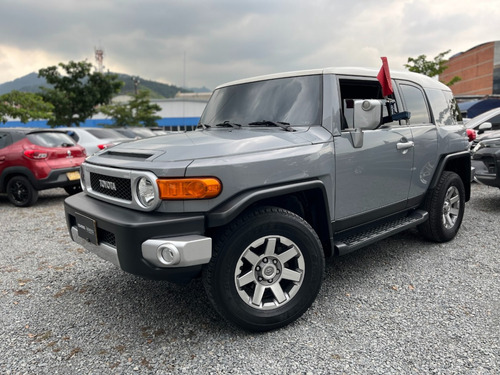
(384,77)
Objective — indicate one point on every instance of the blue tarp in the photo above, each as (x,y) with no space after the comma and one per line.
(476,107)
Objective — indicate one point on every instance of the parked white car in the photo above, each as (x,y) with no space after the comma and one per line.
(95,139)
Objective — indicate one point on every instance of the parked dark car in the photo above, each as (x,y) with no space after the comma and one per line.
(486,124)
(486,161)
(36,159)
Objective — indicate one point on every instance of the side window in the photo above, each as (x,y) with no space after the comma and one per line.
(454,109)
(415,104)
(442,107)
(359,89)
(4,139)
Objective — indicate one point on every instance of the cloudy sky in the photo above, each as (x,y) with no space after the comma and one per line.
(208,42)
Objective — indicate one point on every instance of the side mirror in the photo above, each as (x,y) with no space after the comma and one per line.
(484,126)
(367,114)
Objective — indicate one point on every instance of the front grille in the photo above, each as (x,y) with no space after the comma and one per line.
(115,187)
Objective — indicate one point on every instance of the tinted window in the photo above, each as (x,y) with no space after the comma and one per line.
(50,139)
(415,103)
(295,100)
(443,107)
(453,105)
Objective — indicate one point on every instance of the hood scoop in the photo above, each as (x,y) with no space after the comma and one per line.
(128,155)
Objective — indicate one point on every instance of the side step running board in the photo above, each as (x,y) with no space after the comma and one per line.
(348,242)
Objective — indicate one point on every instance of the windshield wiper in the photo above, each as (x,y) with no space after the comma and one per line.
(284,125)
(203,126)
(228,124)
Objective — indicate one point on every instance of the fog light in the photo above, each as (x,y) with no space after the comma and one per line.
(169,255)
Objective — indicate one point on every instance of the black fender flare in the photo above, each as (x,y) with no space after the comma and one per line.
(234,206)
(16,171)
(458,162)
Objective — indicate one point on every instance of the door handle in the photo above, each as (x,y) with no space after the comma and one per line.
(405,145)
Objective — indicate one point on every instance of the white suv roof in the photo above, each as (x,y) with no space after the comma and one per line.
(420,79)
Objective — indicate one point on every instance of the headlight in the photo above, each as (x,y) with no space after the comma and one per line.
(146,192)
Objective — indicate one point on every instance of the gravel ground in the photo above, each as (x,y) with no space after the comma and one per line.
(402,306)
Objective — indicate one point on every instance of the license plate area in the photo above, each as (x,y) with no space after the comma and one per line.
(87,228)
(72,176)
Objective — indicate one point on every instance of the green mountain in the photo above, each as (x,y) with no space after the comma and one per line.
(28,83)
(31,83)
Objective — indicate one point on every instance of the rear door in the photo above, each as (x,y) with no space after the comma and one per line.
(424,133)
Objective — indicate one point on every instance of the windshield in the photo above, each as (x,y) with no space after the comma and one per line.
(296,101)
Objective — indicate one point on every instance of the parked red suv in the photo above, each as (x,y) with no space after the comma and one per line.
(37,159)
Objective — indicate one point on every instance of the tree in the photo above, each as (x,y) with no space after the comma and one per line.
(24,106)
(430,68)
(76,94)
(137,112)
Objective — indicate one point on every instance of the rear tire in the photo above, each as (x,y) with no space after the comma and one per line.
(20,192)
(445,205)
(266,269)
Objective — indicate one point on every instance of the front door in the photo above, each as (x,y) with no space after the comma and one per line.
(376,175)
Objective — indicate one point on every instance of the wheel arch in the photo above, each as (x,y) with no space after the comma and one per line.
(10,172)
(460,164)
(308,199)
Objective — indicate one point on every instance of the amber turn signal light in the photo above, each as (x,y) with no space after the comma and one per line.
(189,188)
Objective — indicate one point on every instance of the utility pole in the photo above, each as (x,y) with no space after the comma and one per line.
(136,81)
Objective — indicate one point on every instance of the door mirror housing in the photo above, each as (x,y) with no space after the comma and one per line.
(368,114)
(484,126)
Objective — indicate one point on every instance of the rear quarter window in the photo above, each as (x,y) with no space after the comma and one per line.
(444,107)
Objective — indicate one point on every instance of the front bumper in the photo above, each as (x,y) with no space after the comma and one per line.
(149,244)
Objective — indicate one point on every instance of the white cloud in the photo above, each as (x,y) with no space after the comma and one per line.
(225,40)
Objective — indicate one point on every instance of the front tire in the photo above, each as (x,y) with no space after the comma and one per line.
(20,192)
(445,205)
(266,269)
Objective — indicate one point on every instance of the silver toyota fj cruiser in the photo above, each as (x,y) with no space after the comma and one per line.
(283,171)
